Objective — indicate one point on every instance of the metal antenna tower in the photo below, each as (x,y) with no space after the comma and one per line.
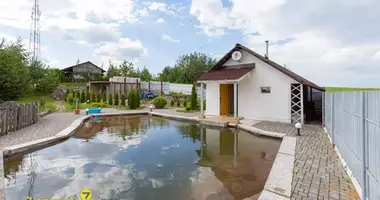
(34,38)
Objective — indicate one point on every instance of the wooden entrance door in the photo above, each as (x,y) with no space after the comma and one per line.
(224,99)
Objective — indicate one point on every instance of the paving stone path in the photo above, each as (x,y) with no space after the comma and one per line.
(317,173)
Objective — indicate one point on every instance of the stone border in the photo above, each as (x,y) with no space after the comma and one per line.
(277,186)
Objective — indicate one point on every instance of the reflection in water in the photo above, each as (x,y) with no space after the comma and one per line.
(142,157)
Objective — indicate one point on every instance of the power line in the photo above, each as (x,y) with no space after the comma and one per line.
(34,38)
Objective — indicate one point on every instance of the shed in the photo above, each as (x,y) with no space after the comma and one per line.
(255,87)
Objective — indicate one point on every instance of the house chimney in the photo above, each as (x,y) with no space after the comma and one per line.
(266,46)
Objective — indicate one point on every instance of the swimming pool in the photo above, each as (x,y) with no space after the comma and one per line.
(143,157)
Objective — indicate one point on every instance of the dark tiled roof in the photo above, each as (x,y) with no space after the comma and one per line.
(227,73)
(270,63)
(89,62)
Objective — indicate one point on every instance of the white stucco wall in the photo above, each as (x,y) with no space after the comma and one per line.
(212,99)
(253,104)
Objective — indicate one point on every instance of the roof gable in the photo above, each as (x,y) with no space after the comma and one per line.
(88,62)
(271,63)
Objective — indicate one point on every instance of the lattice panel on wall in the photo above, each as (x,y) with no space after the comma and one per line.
(297,103)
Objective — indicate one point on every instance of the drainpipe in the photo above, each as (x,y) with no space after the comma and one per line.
(266,48)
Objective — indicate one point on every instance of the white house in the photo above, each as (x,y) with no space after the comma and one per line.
(246,84)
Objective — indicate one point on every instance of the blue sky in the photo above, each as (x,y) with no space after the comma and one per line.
(320,40)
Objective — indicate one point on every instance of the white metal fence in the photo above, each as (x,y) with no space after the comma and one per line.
(167,88)
(352,120)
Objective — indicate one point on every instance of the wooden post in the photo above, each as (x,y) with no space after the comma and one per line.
(161,88)
(149,85)
(125,86)
(3,122)
(114,89)
(120,90)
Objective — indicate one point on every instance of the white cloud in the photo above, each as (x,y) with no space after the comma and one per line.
(161,20)
(168,38)
(124,49)
(143,12)
(318,44)
(158,6)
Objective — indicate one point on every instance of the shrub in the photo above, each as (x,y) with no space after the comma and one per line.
(88,96)
(99,97)
(204,104)
(137,99)
(131,100)
(99,104)
(69,97)
(93,96)
(110,100)
(172,103)
(116,99)
(104,96)
(185,104)
(178,104)
(193,98)
(188,108)
(41,104)
(159,102)
(82,97)
(123,100)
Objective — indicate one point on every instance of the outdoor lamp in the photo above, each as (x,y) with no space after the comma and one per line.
(298,127)
(151,107)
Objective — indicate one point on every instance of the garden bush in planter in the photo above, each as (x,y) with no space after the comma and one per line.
(159,102)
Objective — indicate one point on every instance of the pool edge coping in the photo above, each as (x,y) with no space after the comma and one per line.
(278,183)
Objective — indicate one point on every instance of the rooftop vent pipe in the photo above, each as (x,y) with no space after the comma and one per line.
(266,46)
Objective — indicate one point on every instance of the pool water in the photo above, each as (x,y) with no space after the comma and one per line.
(148,158)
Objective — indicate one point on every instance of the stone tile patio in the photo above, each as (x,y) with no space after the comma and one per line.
(317,173)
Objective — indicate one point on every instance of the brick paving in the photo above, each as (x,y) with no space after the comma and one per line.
(317,173)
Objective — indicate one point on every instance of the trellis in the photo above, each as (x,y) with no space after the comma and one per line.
(297,103)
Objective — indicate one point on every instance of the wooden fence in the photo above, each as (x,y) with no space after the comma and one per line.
(14,117)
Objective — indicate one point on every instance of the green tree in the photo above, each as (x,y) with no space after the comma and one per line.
(188,68)
(137,98)
(88,96)
(99,97)
(110,100)
(14,71)
(145,75)
(82,96)
(126,69)
(123,100)
(132,100)
(49,81)
(104,96)
(193,98)
(93,97)
(116,99)
(113,70)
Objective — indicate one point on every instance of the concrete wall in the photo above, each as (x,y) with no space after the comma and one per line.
(252,104)
(212,99)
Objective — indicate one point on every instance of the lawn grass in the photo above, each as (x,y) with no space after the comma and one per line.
(348,89)
(49,101)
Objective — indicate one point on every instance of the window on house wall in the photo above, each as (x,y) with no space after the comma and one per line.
(265,89)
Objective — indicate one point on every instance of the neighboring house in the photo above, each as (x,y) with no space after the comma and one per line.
(246,84)
(83,72)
